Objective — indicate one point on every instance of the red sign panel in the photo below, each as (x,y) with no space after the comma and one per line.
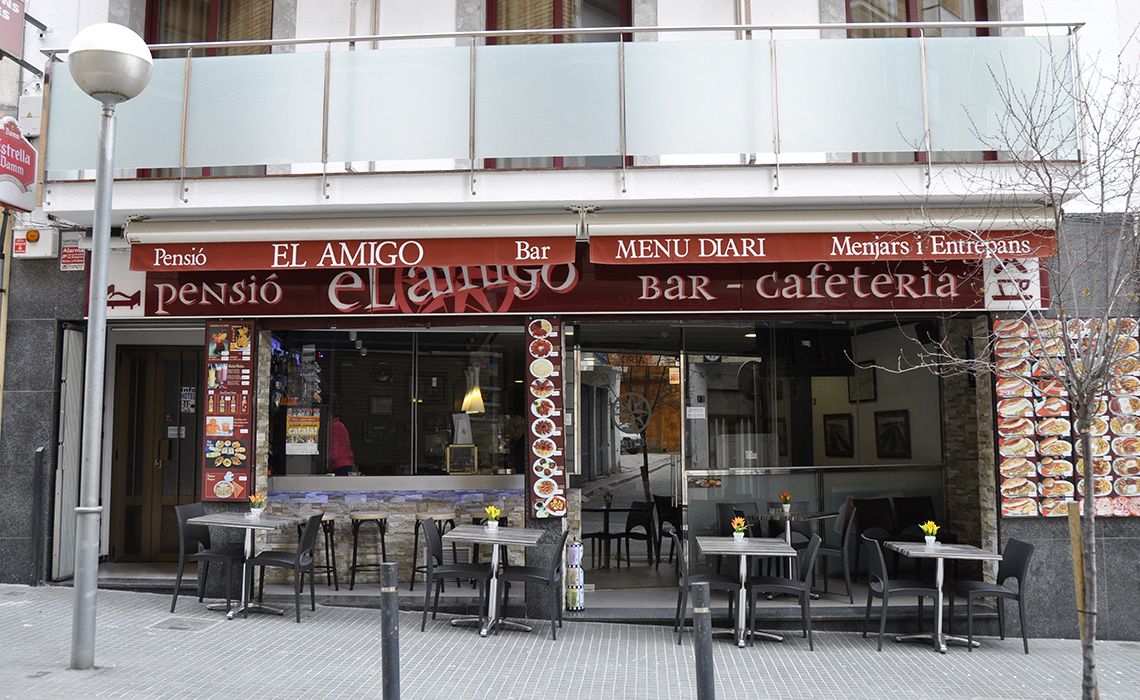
(12,27)
(546,472)
(831,247)
(335,255)
(228,441)
(17,165)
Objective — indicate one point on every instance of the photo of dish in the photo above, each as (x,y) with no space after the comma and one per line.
(1055,447)
(1123,326)
(1015,427)
(1103,486)
(1013,367)
(1017,466)
(1051,347)
(1016,447)
(544,467)
(1051,466)
(1100,446)
(1101,467)
(1015,487)
(1050,406)
(1054,426)
(1018,506)
(542,408)
(540,328)
(556,505)
(1127,466)
(1046,327)
(1011,347)
(541,388)
(1014,408)
(1011,328)
(1055,488)
(224,489)
(1128,446)
(543,447)
(1049,367)
(1099,425)
(1124,405)
(226,453)
(1126,346)
(540,347)
(543,427)
(541,368)
(1127,365)
(1124,386)
(1054,507)
(1051,387)
(544,488)
(1007,387)
(1127,486)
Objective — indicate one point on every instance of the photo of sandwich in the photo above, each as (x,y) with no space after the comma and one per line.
(1055,488)
(1049,367)
(1055,447)
(1016,486)
(1051,406)
(1015,427)
(1016,466)
(1054,507)
(1011,347)
(1016,447)
(1018,506)
(1052,466)
(1014,408)
(1054,426)
(1013,367)
(1007,387)
(1046,327)
(1011,328)
(1051,387)
(1052,347)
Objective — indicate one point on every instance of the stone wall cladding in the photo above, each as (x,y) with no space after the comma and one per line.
(401,508)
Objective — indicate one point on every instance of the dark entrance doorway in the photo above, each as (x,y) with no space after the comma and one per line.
(155,448)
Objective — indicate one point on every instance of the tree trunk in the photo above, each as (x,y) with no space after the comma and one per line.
(1089,689)
(645,469)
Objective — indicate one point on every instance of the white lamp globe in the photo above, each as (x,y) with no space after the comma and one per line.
(109,62)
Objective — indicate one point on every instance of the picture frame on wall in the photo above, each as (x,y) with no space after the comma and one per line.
(462,459)
(892,434)
(838,435)
(380,405)
(861,385)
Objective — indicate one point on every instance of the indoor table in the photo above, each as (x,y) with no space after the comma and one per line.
(939,553)
(244,521)
(478,534)
(748,547)
(606,530)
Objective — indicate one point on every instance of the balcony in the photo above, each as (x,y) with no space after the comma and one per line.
(784,96)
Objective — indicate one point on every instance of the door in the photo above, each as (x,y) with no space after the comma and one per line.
(68,460)
(156,452)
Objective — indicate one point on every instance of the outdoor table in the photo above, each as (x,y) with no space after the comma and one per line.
(606,528)
(748,547)
(791,516)
(939,552)
(243,521)
(477,534)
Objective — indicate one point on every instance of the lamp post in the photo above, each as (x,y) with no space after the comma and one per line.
(111,64)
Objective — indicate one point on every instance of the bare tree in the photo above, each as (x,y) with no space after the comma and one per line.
(1073,148)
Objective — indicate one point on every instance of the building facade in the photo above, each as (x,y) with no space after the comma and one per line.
(463,262)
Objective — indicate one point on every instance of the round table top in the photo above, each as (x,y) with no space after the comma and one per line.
(439,515)
(369,515)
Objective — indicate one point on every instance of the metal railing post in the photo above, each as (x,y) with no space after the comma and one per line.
(182,134)
(623,145)
(702,642)
(325,124)
(925,101)
(775,105)
(390,630)
(1077,91)
(471,113)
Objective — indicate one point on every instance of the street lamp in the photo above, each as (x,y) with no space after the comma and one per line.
(112,64)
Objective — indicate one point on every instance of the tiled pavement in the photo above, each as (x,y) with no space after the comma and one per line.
(335,652)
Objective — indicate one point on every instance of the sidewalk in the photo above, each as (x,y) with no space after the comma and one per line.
(143,651)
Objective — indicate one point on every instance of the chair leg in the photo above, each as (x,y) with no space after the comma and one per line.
(1021,617)
(969,623)
(553,610)
(296,590)
(805,605)
(1001,617)
(312,591)
(229,576)
(203,576)
(867,615)
(751,615)
(950,613)
(435,605)
(332,549)
(677,616)
(824,564)
(506,601)
(920,614)
(427,601)
(683,609)
(178,583)
(883,621)
(847,578)
(261,584)
(415,557)
(352,569)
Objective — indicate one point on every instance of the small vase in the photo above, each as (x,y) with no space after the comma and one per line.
(738,536)
(787,507)
(256,512)
(930,540)
(491,524)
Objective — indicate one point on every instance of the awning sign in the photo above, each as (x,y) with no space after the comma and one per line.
(829,247)
(351,254)
(17,166)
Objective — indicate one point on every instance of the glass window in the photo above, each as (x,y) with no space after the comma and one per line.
(396,403)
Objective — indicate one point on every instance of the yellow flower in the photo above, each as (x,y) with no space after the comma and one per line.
(929,528)
(493,512)
(738,524)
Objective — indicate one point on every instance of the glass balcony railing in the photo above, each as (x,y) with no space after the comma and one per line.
(771,98)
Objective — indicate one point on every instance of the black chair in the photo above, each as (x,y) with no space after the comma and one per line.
(299,562)
(666,513)
(800,587)
(875,519)
(842,550)
(435,571)
(801,529)
(716,582)
(1014,564)
(189,535)
(881,586)
(639,516)
(549,576)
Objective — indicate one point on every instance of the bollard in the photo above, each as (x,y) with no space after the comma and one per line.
(702,641)
(390,630)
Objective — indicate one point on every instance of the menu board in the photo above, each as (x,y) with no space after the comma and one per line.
(230,381)
(546,477)
(1037,440)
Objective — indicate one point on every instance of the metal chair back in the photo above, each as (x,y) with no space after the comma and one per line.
(190,534)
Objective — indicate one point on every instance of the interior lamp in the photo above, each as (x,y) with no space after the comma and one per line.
(473,399)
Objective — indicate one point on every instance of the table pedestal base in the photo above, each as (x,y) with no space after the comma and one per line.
(484,631)
(249,607)
(928,638)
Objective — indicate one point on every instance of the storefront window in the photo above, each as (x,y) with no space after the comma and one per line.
(396,403)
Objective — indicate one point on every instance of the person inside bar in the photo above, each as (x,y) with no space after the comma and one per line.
(341,458)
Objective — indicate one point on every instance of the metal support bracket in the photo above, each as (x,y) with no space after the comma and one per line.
(925,103)
(471,114)
(623,145)
(183,190)
(325,124)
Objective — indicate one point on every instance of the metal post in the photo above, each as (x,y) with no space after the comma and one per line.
(39,479)
(1076,92)
(471,113)
(621,107)
(88,511)
(925,101)
(775,106)
(390,630)
(702,642)
(325,125)
(182,189)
